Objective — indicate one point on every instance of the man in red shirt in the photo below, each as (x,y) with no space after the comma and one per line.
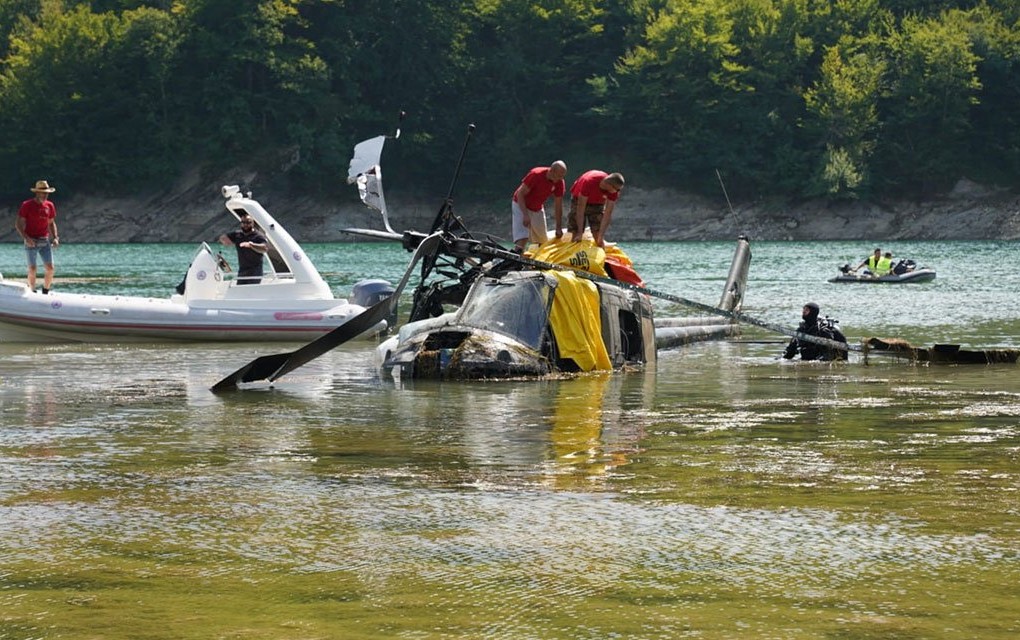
(593,198)
(37,226)
(528,203)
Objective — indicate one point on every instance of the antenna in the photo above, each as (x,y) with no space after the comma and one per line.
(446,210)
(732,212)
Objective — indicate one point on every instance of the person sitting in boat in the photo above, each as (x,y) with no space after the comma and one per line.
(884,266)
(812,326)
(251,246)
(871,262)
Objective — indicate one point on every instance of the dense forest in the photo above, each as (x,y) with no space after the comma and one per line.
(836,99)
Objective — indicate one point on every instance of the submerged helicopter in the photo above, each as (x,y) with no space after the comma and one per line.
(519,316)
(480,310)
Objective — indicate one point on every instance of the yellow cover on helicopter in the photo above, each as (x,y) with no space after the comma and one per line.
(584,255)
(576,322)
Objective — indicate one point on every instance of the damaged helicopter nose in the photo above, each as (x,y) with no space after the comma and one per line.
(456,354)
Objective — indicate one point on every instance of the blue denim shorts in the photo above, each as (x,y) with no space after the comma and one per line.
(42,249)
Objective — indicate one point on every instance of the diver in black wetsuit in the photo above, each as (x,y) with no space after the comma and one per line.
(811,326)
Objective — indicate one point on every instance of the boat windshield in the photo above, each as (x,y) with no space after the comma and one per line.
(516,308)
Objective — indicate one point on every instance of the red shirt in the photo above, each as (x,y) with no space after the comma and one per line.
(588,185)
(37,217)
(540,188)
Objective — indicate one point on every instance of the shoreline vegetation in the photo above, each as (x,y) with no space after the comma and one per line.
(805,109)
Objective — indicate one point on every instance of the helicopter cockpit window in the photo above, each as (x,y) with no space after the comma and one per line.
(517,308)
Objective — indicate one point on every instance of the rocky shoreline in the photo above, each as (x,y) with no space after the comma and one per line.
(192,210)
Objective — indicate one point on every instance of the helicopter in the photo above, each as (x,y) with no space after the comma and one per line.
(481,310)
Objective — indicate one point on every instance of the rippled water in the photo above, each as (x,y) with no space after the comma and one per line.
(722,494)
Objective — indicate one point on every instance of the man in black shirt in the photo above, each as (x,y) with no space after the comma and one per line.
(251,246)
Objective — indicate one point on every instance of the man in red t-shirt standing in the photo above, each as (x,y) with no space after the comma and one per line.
(593,198)
(528,203)
(37,226)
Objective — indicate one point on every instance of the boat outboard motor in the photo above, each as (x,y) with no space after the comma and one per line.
(369,292)
(903,266)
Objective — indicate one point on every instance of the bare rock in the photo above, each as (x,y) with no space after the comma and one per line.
(192,209)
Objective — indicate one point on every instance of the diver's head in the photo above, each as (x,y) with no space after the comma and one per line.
(810,311)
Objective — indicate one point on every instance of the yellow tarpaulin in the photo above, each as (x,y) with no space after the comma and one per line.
(576,322)
(584,255)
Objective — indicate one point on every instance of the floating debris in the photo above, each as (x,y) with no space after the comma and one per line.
(940,353)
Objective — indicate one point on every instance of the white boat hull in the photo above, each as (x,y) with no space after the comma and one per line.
(26,316)
(289,303)
(918,275)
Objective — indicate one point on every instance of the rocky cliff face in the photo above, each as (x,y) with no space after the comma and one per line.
(192,210)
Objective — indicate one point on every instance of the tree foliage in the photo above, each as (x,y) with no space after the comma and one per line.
(793,98)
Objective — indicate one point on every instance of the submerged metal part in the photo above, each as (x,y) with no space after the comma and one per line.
(668,337)
(736,281)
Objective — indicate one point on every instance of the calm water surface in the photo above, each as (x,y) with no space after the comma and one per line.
(723,493)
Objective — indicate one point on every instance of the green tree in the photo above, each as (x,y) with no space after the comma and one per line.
(995,119)
(779,49)
(384,58)
(104,103)
(680,88)
(843,105)
(934,86)
(527,64)
(12,14)
(251,73)
(52,86)
(145,58)
(787,97)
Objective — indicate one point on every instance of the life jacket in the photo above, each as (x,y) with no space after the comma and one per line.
(883,267)
(873,263)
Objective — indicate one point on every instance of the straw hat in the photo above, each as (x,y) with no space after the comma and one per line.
(41,186)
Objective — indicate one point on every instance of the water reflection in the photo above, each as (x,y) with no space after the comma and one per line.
(590,433)
(40,405)
(501,433)
(652,503)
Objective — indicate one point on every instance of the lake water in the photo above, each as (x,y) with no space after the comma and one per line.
(723,493)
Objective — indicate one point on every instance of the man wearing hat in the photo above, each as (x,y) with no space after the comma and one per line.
(37,226)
